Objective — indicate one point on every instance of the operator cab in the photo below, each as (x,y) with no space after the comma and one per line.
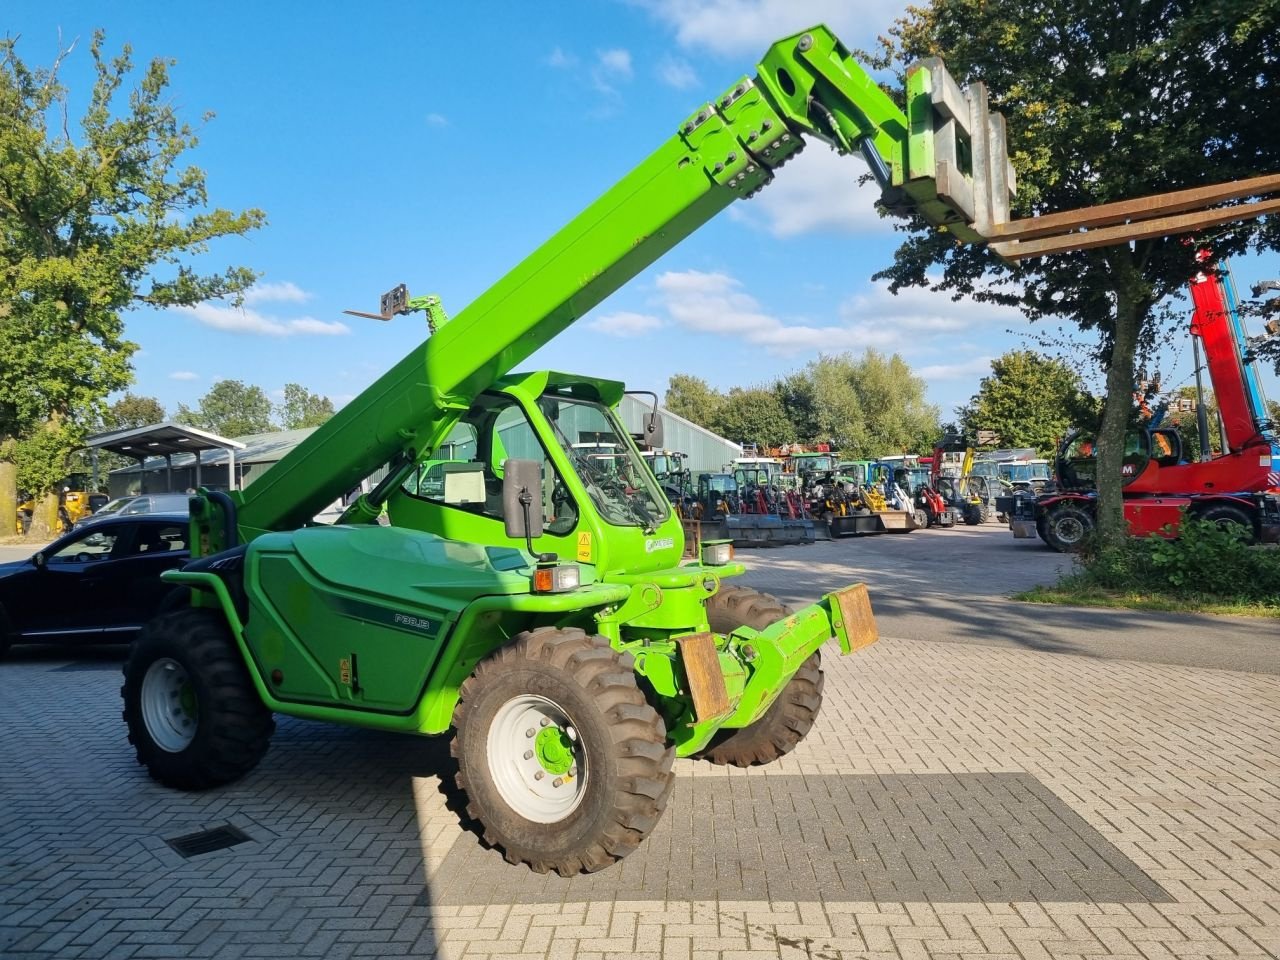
(1078,456)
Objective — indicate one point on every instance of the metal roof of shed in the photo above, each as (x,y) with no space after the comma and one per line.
(160,439)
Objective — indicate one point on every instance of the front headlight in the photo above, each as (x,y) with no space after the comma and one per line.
(717,553)
(558,579)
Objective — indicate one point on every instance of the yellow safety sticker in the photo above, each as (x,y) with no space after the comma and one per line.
(344,671)
(584,546)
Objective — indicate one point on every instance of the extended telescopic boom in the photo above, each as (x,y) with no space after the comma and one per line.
(805,84)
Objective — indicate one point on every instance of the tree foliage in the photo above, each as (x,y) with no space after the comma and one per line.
(301,408)
(132,411)
(1103,107)
(753,415)
(866,406)
(1029,400)
(692,398)
(231,408)
(91,225)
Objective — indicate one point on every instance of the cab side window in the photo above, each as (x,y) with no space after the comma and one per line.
(466,472)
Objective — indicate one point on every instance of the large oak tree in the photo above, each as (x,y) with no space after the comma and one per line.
(97,217)
(1105,102)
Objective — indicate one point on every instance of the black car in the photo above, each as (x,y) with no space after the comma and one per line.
(98,583)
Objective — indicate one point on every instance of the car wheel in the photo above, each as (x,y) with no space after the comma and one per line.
(193,714)
(563,762)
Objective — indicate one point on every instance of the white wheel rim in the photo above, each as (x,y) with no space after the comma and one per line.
(537,791)
(169,705)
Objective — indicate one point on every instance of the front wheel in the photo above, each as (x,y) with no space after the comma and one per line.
(193,715)
(1067,527)
(791,716)
(563,762)
(1230,517)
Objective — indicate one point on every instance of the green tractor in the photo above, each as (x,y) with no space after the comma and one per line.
(528,596)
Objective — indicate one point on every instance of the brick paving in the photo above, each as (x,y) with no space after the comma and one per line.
(1168,775)
(941,838)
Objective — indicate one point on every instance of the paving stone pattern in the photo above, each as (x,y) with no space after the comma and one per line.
(898,837)
(1176,769)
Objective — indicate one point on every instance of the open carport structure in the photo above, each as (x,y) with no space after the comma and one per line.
(164,440)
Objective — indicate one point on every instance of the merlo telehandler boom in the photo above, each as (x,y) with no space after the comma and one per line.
(530,594)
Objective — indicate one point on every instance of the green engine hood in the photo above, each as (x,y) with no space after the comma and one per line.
(401,563)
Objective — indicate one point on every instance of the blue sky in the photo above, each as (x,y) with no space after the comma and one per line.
(439,143)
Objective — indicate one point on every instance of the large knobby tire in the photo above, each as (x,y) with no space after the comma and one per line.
(1067,527)
(791,716)
(1230,517)
(193,714)
(564,763)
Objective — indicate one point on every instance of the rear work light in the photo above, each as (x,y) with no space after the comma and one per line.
(717,553)
(560,579)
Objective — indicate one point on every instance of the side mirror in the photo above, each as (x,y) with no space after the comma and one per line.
(522,498)
(38,560)
(653,430)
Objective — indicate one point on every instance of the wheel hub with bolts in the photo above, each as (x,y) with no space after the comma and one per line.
(536,759)
(1070,530)
(169,705)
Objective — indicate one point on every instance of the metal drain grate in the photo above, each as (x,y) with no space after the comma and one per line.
(207,841)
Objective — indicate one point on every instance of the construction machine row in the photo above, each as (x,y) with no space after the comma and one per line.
(797,494)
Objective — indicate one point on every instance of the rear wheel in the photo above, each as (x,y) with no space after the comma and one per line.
(563,762)
(792,715)
(1230,517)
(1067,526)
(193,715)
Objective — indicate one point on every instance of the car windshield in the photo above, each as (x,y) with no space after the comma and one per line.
(619,484)
(114,506)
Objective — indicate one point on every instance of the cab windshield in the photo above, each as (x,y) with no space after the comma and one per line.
(615,477)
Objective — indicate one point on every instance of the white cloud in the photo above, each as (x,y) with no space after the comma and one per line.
(437,120)
(714,303)
(561,60)
(965,370)
(285,292)
(738,27)
(915,321)
(320,328)
(184,375)
(245,320)
(625,324)
(815,191)
(677,73)
(917,310)
(616,62)
(611,66)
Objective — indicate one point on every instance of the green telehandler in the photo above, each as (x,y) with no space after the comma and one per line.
(526,596)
